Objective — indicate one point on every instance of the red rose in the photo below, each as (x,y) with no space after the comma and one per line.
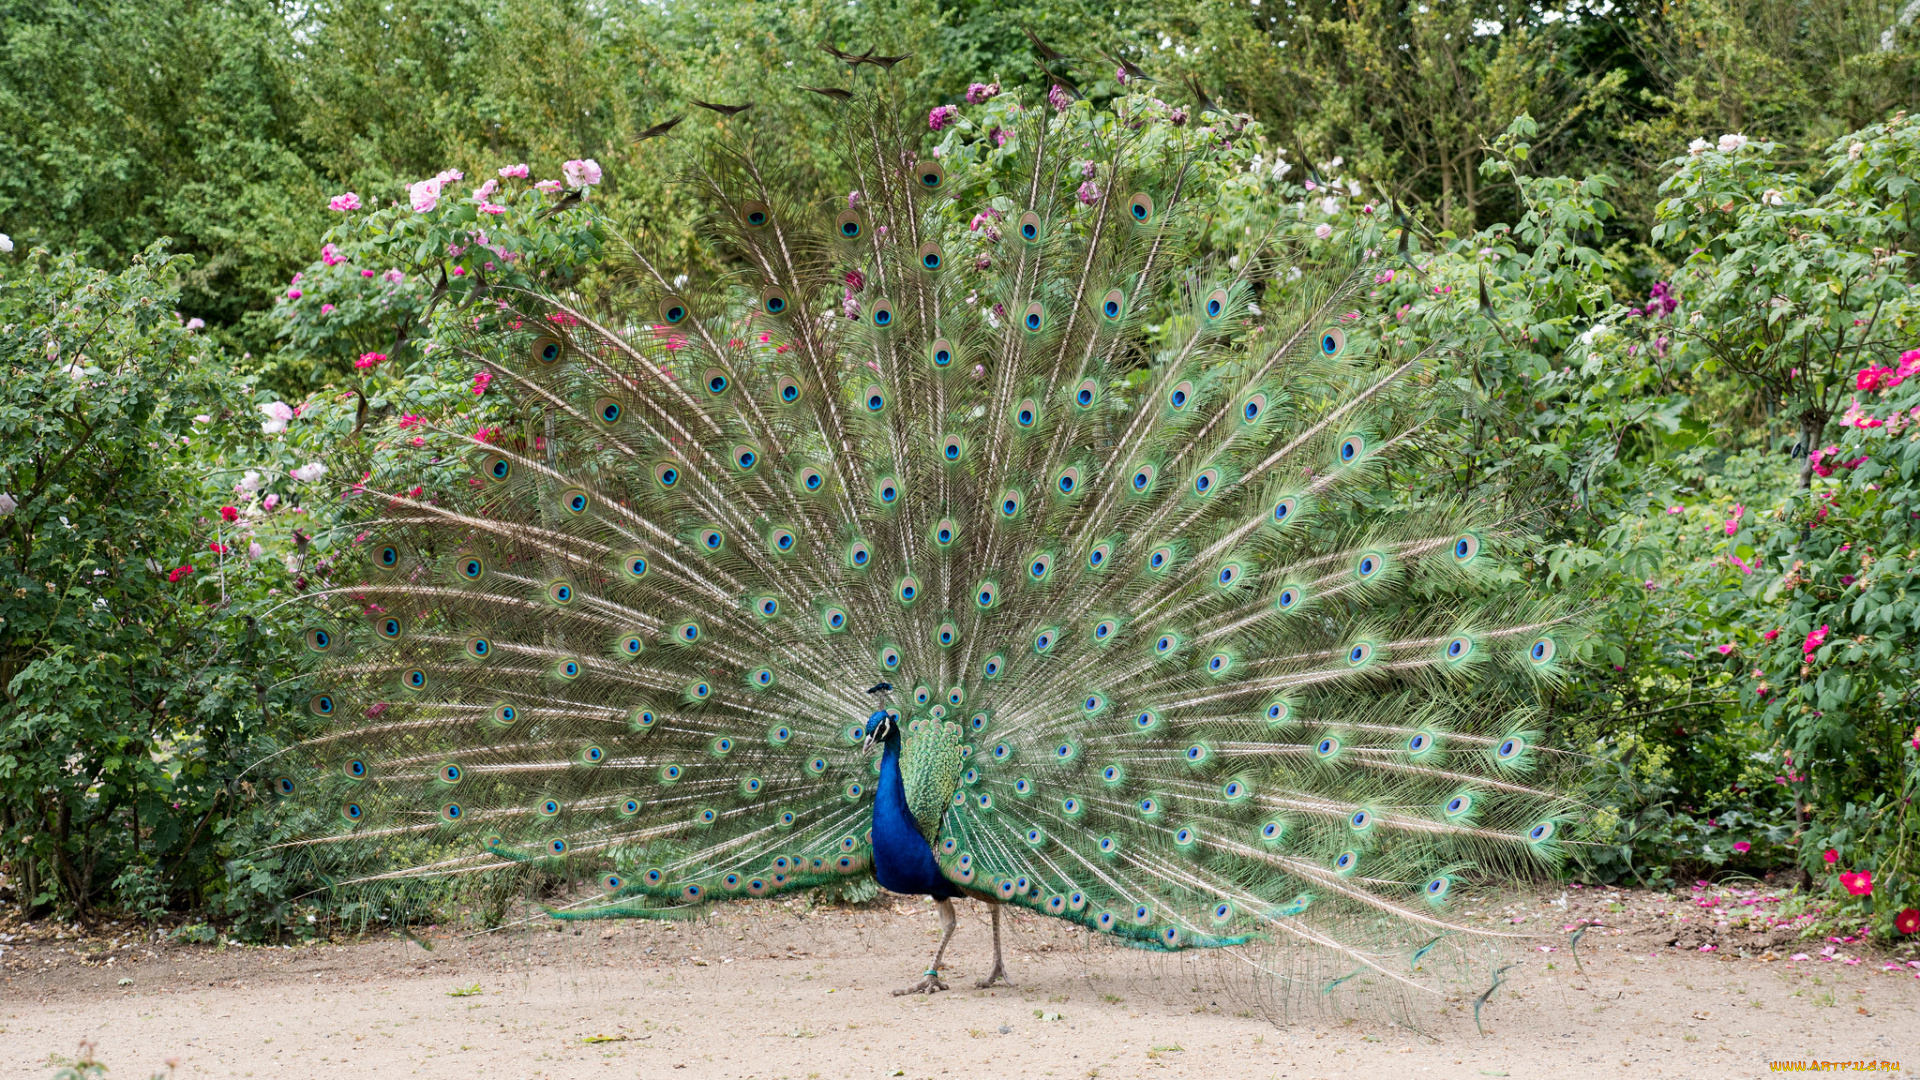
(1908,921)
(229,514)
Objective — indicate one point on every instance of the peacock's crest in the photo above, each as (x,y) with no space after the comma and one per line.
(1183,662)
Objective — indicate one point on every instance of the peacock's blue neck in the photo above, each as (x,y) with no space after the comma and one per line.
(903,861)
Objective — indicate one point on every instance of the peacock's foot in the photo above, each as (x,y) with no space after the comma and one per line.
(932,984)
(999,974)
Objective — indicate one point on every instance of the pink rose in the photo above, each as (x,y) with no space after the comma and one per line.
(941,116)
(548,185)
(1860,884)
(424,196)
(1831,856)
(485,191)
(979,92)
(1742,847)
(370,359)
(581,173)
(514,172)
(480,382)
(1058,98)
(343,203)
(293,294)
(394,276)
(1814,640)
(1323,230)
(331,255)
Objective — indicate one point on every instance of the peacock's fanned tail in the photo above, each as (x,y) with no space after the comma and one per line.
(1216,676)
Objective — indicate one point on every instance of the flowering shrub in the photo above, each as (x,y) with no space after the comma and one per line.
(368,303)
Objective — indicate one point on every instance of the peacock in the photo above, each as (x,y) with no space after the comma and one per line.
(971,535)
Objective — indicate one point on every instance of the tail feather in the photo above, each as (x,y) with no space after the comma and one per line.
(982,428)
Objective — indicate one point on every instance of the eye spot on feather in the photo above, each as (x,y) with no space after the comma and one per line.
(1333,342)
(1180,395)
(1541,651)
(666,475)
(1327,747)
(849,225)
(479,648)
(1097,558)
(931,257)
(547,350)
(415,679)
(1352,448)
(774,300)
(834,619)
(1011,502)
(909,589)
(1360,653)
(1459,648)
(1278,712)
(1140,208)
(712,540)
(1113,305)
(560,592)
(1160,558)
(1347,861)
(1035,317)
(1540,832)
(1510,748)
(1086,393)
(1368,566)
(473,568)
(992,667)
(931,174)
(1104,630)
(940,353)
(755,214)
(1457,805)
(1465,548)
(1030,227)
(717,381)
(673,310)
(881,313)
(1253,409)
(874,397)
(498,468)
(859,554)
(1068,481)
(1216,304)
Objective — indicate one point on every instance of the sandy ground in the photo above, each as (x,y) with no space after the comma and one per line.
(776,990)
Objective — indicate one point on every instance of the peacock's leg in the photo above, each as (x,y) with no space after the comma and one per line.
(999,972)
(932,983)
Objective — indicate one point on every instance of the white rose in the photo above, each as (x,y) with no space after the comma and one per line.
(1730,143)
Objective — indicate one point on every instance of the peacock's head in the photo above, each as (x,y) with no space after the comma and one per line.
(880,727)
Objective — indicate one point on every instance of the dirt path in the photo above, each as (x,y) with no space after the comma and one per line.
(771,990)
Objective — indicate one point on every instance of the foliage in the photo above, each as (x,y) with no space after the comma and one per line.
(127,676)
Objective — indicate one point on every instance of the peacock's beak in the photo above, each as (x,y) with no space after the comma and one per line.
(867,744)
